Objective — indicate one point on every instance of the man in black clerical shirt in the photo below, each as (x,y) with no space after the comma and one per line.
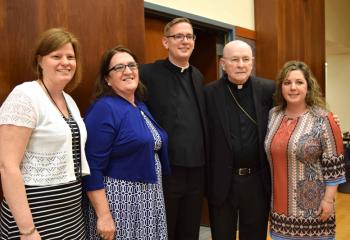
(176,100)
(238,173)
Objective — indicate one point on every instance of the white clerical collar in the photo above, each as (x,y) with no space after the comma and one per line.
(239,86)
(182,68)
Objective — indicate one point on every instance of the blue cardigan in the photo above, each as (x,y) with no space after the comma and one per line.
(119,143)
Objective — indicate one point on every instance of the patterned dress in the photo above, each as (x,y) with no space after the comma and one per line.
(305,156)
(56,209)
(137,208)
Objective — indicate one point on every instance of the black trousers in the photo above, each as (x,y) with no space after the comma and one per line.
(183,195)
(246,207)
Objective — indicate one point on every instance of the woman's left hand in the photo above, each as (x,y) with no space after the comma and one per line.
(325,210)
(106,228)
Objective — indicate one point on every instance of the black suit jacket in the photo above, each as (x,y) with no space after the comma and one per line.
(159,79)
(220,162)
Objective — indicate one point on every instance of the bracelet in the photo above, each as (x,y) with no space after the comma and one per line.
(327,201)
(30,232)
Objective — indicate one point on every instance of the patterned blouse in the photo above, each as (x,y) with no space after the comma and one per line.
(305,156)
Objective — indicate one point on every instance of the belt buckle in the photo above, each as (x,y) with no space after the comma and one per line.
(244,171)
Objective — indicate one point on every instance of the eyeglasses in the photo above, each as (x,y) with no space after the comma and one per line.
(181,37)
(121,67)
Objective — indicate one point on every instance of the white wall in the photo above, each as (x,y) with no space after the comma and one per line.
(337,22)
(338,59)
(338,87)
(235,12)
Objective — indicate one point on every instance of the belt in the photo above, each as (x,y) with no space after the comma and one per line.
(244,171)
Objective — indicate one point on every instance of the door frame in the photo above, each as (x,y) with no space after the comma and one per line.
(158,10)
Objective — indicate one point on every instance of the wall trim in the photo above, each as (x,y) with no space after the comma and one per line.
(159,10)
(245,33)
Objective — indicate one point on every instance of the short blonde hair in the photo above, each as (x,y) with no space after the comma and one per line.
(173,22)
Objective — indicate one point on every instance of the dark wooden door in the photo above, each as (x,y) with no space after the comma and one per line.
(204,56)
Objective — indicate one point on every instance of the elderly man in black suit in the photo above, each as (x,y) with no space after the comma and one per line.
(176,100)
(238,105)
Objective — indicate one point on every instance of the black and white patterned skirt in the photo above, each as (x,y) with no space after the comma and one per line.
(137,208)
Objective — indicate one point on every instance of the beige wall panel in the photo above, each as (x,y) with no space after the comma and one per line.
(234,12)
